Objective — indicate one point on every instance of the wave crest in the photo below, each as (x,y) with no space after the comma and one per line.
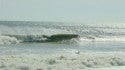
(64,38)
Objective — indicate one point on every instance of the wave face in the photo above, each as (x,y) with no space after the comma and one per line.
(17,31)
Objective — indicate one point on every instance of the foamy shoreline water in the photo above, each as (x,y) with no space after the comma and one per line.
(69,61)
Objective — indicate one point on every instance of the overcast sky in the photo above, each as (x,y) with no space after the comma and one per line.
(63,10)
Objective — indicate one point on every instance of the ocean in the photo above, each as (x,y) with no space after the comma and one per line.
(23,46)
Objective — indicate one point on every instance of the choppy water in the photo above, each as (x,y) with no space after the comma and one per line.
(99,46)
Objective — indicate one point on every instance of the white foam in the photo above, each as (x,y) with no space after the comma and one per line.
(103,39)
(86,61)
(109,68)
(8,40)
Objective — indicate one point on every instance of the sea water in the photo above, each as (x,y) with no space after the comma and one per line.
(98,48)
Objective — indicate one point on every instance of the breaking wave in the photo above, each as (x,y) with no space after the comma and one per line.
(15,39)
(8,40)
(12,32)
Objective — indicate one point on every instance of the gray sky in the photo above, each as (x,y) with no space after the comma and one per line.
(63,10)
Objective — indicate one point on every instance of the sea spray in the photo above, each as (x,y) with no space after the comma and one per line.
(8,40)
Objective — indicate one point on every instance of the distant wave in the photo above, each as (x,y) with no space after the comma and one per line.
(41,28)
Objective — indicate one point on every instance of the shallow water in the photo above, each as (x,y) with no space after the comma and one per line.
(48,48)
(89,55)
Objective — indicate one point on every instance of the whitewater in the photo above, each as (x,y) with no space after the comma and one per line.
(98,47)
